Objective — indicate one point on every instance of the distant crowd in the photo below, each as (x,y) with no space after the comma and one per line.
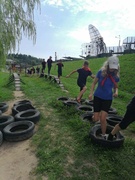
(40,70)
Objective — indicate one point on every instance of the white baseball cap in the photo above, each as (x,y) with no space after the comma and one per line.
(113,62)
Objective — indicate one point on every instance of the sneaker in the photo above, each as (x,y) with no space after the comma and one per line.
(104,136)
(110,137)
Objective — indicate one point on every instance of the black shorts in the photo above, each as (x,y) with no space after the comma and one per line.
(81,85)
(129,116)
(59,73)
(101,104)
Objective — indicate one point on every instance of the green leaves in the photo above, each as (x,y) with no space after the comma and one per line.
(16,18)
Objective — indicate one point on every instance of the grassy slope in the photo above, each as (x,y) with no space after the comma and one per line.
(63,147)
(126,85)
(5,92)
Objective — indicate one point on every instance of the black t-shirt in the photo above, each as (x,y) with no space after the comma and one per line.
(43,63)
(83,74)
(49,62)
(60,65)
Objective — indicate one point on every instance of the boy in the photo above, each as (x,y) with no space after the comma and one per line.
(83,73)
(49,64)
(60,65)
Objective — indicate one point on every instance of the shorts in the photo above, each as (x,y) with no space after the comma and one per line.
(81,85)
(59,73)
(101,104)
(129,116)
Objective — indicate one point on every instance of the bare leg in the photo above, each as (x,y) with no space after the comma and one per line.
(81,93)
(116,129)
(96,116)
(103,121)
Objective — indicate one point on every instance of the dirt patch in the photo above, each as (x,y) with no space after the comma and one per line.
(17,161)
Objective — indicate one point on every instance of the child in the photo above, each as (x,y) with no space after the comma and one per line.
(128,118)
(83,73)
(49,64)
(107,78)
(43,65)
(60,65)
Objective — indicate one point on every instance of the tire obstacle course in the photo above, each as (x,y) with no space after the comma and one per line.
(20,125)
(86,112)
(53,79)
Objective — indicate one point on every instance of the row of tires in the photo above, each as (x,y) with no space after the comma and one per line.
(86,112)
(20,125)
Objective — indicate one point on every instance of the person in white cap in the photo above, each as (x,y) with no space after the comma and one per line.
(107,79)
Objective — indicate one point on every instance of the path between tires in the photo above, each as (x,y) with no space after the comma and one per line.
(17,160)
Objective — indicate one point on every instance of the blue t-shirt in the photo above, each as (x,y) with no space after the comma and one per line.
(83,74)
(105,91)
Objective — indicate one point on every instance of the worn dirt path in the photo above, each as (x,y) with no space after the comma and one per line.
(17,159)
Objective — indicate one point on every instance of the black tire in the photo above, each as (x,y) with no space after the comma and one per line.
(20,108)
(18,131)
(87,117)
(0,112)
(70,103)
(84,108)
(62,98)
(5,120)
(3,107)
(112,111)
(114,119)
(1,138)
(96,139)
(28,115)
(25,101)
(88,102)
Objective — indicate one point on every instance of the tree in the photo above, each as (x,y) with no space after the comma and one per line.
(16,18)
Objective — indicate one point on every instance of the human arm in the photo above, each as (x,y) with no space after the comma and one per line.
(92,87)
(71,73)
(92,76)
(115,94)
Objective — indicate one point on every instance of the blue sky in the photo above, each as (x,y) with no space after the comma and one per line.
(62,25)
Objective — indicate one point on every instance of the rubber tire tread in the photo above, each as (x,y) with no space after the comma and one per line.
(111,119)
(25,101)
(28,115)
(105,143)
(3,107)
(10,134)
(7,120)
(21,107)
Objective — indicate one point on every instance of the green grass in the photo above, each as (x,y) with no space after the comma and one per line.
(62,143)
(6,92)
(65,150)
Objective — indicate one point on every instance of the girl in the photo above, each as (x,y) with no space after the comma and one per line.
(107,79)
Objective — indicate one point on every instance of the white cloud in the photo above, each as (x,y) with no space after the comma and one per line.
(121,12)
(80,34)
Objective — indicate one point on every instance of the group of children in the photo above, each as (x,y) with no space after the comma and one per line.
(107,79)
(49,65)
(106,82)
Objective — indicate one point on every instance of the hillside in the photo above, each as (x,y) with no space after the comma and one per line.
(126,84)
(62,145)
